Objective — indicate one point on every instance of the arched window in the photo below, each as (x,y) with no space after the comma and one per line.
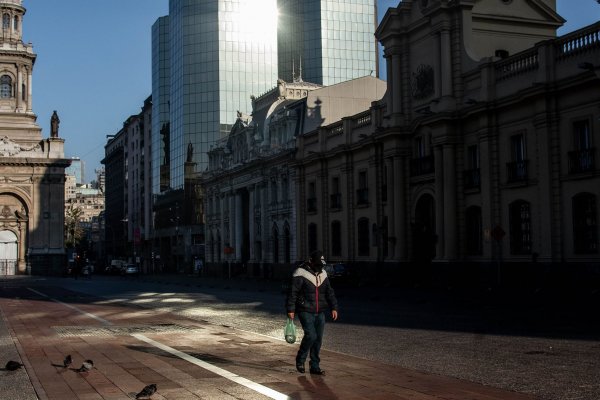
(474,231)
(363,237)
(5,21)
(336,238)
(312,238)
(275,237)
(585,224)
(520,227)
(5,87)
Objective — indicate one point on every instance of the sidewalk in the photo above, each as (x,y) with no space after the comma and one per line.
(14,385)
(124,364)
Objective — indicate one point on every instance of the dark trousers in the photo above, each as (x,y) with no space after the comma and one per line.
(313,326)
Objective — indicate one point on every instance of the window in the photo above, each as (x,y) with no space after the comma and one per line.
(517,169)
(585,224)
(474,231)
(311,198)
(335,197)
(520,227)
(312,238)
(362,193)
(582,159)
(273,192)
(336,238)
(5,87)
(363,237)
(581,135)
(472,174)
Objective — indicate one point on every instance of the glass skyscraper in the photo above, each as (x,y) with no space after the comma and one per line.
(327,41)
(160,105)
(220,52)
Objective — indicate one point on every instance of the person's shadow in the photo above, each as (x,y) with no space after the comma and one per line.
(316,387)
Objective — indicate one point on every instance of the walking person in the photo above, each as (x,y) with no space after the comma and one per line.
(311,297)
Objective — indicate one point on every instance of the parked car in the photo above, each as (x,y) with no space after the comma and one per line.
(334,271)
(130,269)
(115,267)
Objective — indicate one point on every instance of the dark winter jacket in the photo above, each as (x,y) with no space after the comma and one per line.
(310,291)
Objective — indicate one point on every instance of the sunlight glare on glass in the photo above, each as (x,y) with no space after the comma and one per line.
(257,20)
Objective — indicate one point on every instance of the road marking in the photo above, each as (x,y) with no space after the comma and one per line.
(216,370)
(257,387)
(102,320)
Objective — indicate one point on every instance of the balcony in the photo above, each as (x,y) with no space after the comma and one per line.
(516,171)
(472,178)
(311,204)
(582,161)
(421,166)
(335,201)
(362,197)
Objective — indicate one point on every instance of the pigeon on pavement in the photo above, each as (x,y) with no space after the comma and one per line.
(13,365)
(86,366)
(68,361)
(146,392)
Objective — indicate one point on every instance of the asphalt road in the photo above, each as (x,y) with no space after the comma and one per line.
(547,345)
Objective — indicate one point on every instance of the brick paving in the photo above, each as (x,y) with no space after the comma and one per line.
(124,364)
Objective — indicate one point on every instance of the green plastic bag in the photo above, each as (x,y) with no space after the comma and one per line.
(290,331)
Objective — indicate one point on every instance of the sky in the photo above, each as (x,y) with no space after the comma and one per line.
(94,68)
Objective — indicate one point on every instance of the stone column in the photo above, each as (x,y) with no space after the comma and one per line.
(251,225)
(439,202)
(397,84)
(22,243)
(446,63)
(239,224)
(450,231)
(232,224)
(400,246)
(223,200)
(390,207)
(29,83)
(19,88)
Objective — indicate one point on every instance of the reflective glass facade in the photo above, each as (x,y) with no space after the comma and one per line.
(160,105)
(330,40)
(222,51)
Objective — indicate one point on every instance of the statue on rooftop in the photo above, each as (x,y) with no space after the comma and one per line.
(54,122)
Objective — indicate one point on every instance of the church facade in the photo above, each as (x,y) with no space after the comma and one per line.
(32,168)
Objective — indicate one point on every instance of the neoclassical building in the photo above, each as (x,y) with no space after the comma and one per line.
(250,186)
(32,168)
(480,160)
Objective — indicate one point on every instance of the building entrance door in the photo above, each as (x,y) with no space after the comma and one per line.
(8,253)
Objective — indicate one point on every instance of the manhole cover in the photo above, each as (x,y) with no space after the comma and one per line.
(66,331)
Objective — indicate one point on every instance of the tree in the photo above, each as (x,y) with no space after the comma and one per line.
(73,230)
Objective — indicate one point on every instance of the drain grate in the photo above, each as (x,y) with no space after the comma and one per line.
(67,331)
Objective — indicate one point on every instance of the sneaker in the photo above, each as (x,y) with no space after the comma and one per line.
(317,372)
(300,368)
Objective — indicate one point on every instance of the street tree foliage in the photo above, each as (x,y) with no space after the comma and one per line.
(74,232)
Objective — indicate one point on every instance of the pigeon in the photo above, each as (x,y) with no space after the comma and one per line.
(86,366)
(68,361)
(13,365)
(146,392)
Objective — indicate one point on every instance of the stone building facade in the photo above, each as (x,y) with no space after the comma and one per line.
(251,182)
(32,168)
(479,163)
